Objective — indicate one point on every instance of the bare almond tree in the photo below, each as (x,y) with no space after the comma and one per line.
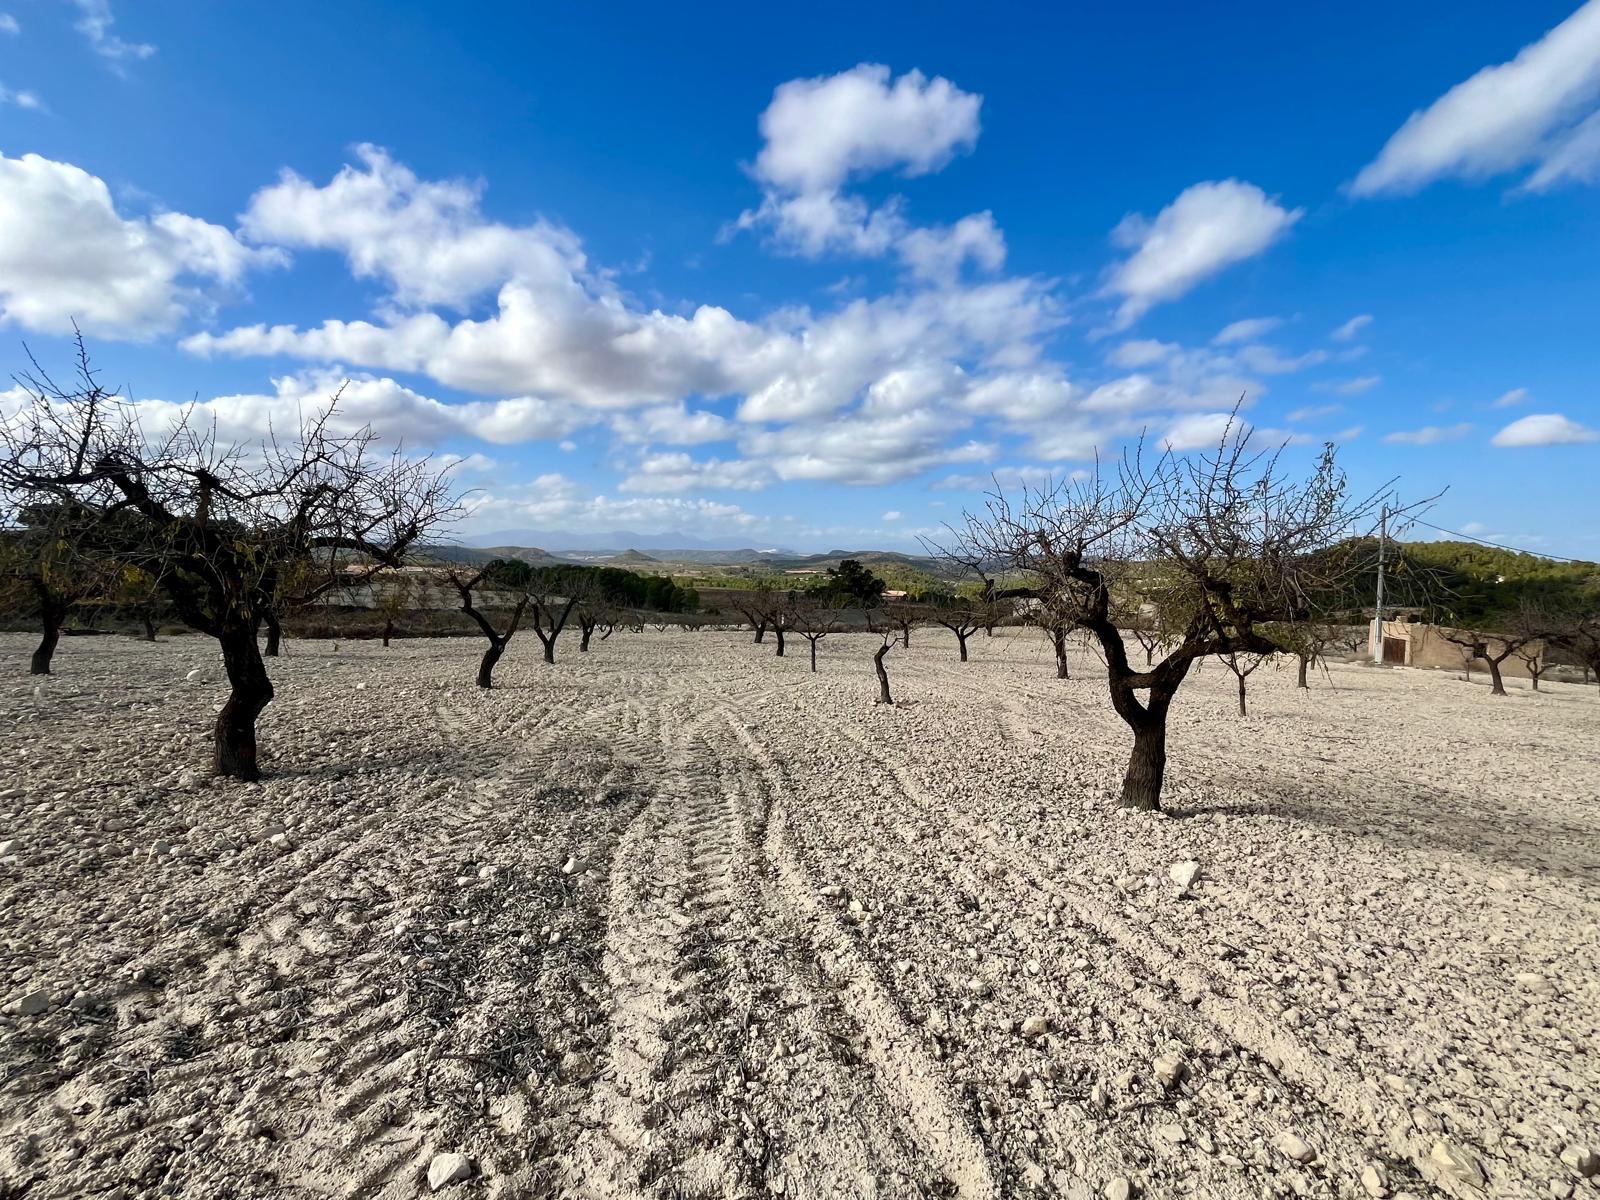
(961,620)
(814,618)
(218,524)
(466,582)
(882,672)
(1243,665)
(1491,648)
(1238,541)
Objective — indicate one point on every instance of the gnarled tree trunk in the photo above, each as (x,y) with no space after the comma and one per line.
(388,632)
(52,615)
(251,693)
(761,631)
(1058,638)
(274,631)
(1147,765)
(962,639)
(1497,685)
(497,647)
(883,674)
(778,633)
(1300,678)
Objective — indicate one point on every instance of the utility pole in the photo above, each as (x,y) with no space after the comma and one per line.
(1377,621)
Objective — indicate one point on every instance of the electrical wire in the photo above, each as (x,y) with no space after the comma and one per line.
(1496,545)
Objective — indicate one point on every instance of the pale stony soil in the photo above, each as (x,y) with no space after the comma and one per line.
(678,918)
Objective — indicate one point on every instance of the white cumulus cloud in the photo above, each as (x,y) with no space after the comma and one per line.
(1538,108)
(1545,429)
(1209,227)
(67,255)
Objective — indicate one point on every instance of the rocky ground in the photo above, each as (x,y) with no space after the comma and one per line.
(678,918)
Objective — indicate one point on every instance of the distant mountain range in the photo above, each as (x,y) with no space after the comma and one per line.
(612,542)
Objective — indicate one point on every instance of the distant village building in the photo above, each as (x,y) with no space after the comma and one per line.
(1418,644)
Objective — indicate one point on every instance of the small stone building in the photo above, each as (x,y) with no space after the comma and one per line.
(1418,644)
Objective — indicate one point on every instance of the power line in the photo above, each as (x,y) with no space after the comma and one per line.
(1497,545)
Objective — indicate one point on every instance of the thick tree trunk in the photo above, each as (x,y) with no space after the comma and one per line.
(1147,765)
(1300,680)
(761,632)
(1496,686)
(51,637)
(883,675)
(585,633)
(778,633)
(274,632)
(1059,638)
(486,666)
(962,638)
(549,648)
(1534,675)
(251,693)
(1243,712)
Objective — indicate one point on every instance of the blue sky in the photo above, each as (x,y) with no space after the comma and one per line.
(807,276)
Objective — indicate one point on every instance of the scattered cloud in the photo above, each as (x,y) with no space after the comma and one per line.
(1312,411)
(1249,330)
(27,100)
(553,501)
(819,134)
(1545,429)
(1428,435)
(9,25)
(1349,387)
(1512,398)
(1140,352)
(66,254)
(1208,228)
(1348,331)
(95,23)
(1201,431)
(891,515)
(1539,108)
(1267,361)
(676,471)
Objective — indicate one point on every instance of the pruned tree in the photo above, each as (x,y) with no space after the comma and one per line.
(1492,649)
(756,606)
(882,672)
(1311,641)
(1243,664)
(1238,540)
(216,523)
(903,618)
(48,565)
(815,617)
(465,583)
(594,612)
(392,597)
(550,613)
(961,620)
(780,619)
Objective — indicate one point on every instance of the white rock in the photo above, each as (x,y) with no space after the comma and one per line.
(1456,1164)
(10,846)
(1293,1146)
(1035,1027)
(446,1169)
(571,865)
(1171,1070)
(1374,1181)
(1184,873)
(194,675)
(1118,1188)
(33,1003)
(1172,1135)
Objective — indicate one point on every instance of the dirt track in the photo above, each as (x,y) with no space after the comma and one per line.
(679,918)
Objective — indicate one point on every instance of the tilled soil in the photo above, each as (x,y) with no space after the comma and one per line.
(679,918)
